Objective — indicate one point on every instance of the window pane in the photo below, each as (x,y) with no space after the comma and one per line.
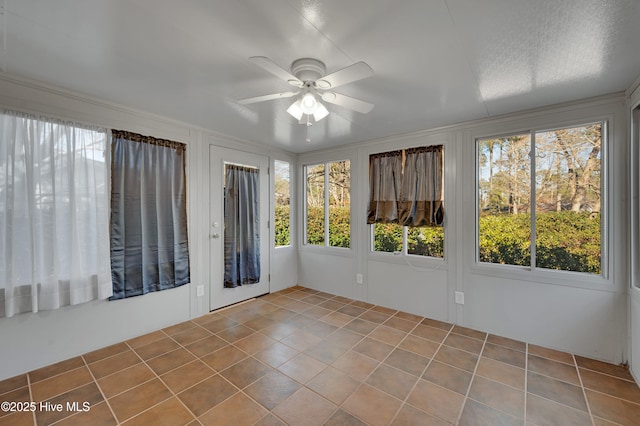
(282,200)
(426,241)
(504,187)
(315,204)
(568,199)
(387,237)
(339,203)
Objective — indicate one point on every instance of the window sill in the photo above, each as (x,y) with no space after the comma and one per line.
(284,247)
(545,276)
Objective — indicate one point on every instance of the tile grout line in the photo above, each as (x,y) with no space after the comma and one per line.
(33,414)
(106,401)
(584,391)
(607,374)
(473,377)
(526,378)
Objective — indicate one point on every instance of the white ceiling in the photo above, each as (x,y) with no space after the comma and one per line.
(436,62)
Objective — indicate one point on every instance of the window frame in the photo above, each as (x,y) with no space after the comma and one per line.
(533,272)
(327,241)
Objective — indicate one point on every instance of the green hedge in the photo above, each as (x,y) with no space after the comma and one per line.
(339,220)
(282,224)
(424,241)
(566,240)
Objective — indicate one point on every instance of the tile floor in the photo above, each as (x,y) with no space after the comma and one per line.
(302,357)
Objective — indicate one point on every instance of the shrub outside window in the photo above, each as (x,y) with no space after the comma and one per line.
(282,202)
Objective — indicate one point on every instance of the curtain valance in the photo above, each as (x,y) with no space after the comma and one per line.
(405,187)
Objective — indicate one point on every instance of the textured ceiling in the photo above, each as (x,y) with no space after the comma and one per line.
(436,62)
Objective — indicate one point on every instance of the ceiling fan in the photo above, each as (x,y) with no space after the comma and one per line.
(308,76)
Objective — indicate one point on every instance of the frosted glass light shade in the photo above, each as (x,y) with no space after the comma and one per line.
(295,110)
(301,107)
(320,112)
(309,103)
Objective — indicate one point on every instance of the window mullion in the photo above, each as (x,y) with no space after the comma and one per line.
(326,205)
(405,240)
(532,203)
(305,189)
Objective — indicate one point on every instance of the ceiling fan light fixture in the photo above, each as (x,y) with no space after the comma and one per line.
(296,110)
(309,75)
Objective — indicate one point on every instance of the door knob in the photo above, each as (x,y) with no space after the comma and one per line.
(215,235)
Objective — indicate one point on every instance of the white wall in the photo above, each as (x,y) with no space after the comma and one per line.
(634,288)
(284,260)
(572,312)
(634,319)
(30,341)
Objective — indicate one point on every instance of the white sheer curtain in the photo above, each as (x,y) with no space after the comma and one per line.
(54,235)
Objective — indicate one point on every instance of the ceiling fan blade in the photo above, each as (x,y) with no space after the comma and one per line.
(275,69)
(357,71)
(347,102)
(267,97)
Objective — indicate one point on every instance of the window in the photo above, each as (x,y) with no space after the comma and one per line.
(54,233)
(406,201)
(419,241)
(328,204)
(546,184)
(282,202)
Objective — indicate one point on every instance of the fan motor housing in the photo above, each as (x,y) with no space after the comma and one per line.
(308,69)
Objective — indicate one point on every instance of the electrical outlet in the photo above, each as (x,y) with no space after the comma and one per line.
(200,291)
(358,278)
(459,298)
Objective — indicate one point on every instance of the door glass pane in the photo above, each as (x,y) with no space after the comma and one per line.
(339,204)
(315,204)
(504,188)
(568,199)
(282,201)
(241,226)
